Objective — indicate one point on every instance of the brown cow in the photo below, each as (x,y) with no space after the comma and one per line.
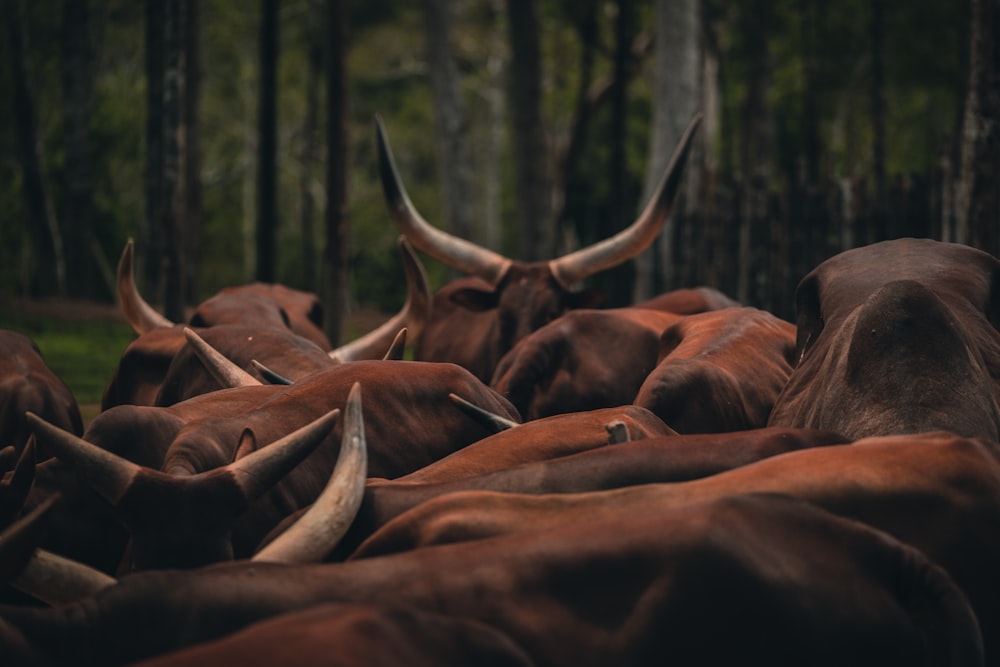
(898,337)
(936,491)
(719,371)
(750,579)
(476,320)
(28,384)
(585,360)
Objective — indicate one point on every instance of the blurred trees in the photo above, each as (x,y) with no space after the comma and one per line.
(815,111)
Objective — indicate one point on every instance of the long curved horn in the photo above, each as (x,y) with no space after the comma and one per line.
(14,488)
(110,475)
(413,315)
(453,251)
(140,315)
(259,471)
(225,372)
(57,580)
(322,526)
(629,242)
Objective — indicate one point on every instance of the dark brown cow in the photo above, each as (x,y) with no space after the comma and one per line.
(585,360)
(935,491)
(689,301)
(898,337)
(409,423)
(756,579)
(719,371)
(669,458)
(355,635)
(28,384)
(475,321)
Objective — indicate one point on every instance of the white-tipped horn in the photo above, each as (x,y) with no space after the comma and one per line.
(141,316)
(489,420)
(629,242)
(453,251)
(225,372)
(320,528)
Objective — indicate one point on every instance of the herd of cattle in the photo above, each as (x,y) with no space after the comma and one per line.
(683,481)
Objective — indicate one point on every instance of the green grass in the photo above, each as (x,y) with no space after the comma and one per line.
(83,352)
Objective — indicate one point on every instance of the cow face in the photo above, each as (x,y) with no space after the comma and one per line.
(897,337)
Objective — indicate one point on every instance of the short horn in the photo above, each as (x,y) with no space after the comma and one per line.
(259,471)
(490,420)
(56,580)
(629,242)
(225,372)
(322,526)
(141,316)
(413,315)
(451,250)
(110,475)
(271,376)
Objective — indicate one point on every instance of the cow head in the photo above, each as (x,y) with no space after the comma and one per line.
(523,296)
(897,337)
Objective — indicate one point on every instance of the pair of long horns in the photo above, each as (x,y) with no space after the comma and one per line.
(568,269)
(142,317)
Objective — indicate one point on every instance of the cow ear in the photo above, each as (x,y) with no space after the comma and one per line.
(586,298)
(248,445)
(809,317)
(669,340)
(472,298)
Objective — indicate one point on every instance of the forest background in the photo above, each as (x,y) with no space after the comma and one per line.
(235,141)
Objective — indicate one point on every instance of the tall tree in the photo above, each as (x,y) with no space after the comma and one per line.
(191,146)
(977,198)
(676,95)
(336,252)
(453,148)
(151,241)
(878,230)
(173,184)
(622,277)
(41,224)
(307,157)
(267,164)
(532,180)
(77,213)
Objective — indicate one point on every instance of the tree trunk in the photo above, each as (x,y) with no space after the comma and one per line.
(267,164)
(454,151)
(173,154)
(336,283)
(531,153)
(879,228)
(191,157)
(676,72)
(41,223)
(619,280)
(151,242)
(977,200)
(78,85)
(307,158)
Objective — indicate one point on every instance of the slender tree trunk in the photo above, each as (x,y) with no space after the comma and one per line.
(336,282)
(754,150)
(173,156)
(41,223)
(191,174)
(620,279)
(535,227)
(151,242)
(78,85)
(880,229)
(307,158)
(454,151)
(496,66)
(676,72)
(267,164)
(977,200)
